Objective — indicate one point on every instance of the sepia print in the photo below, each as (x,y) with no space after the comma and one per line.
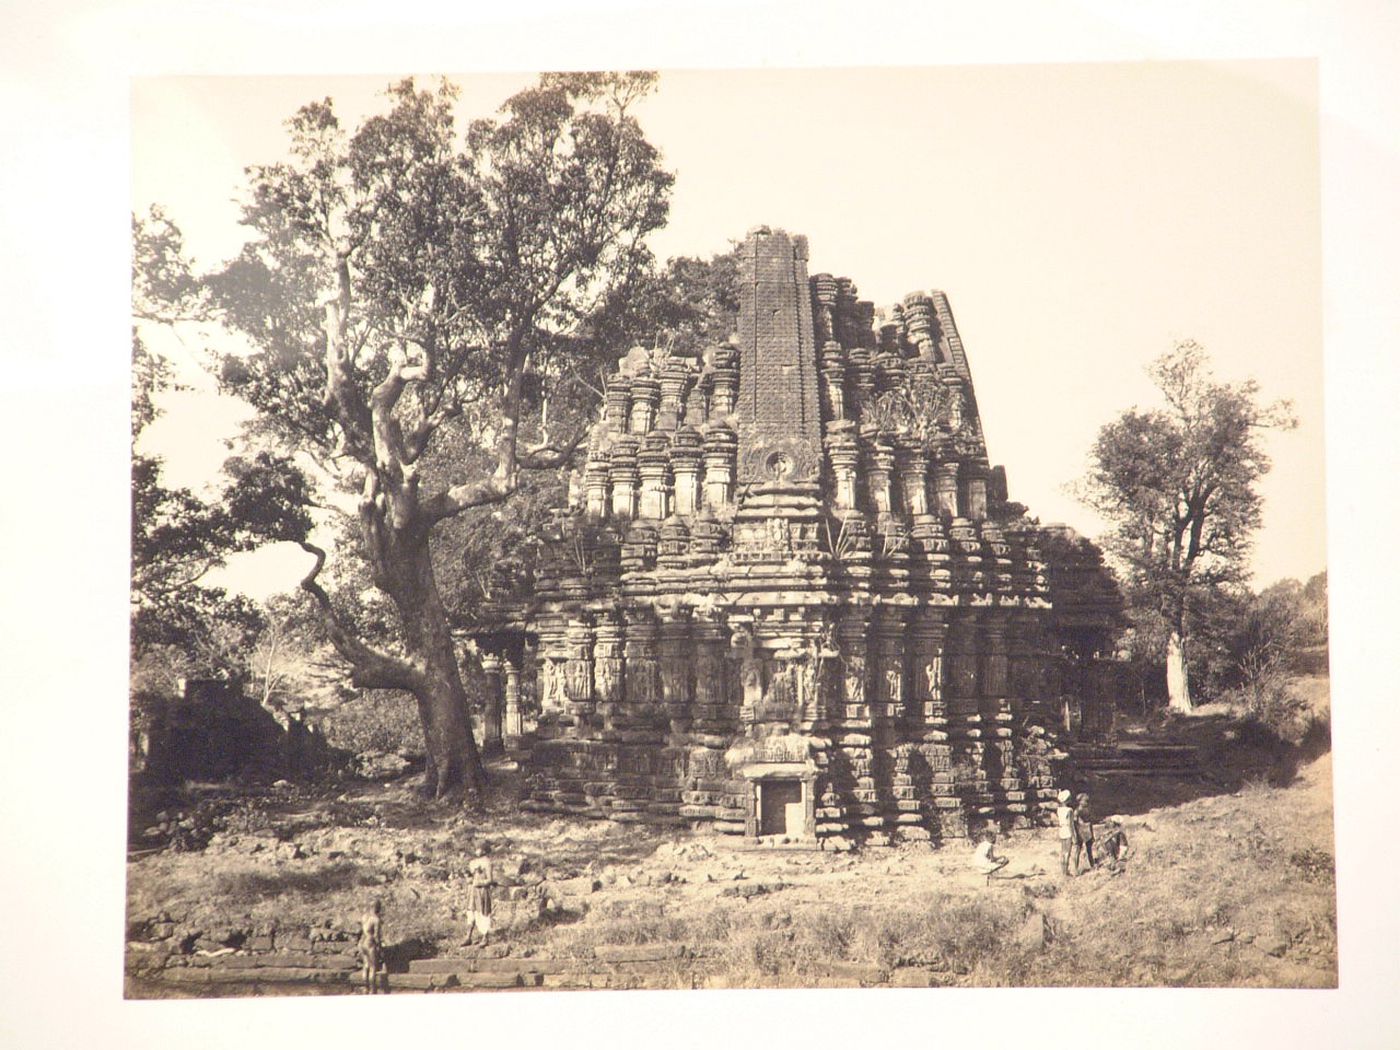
(557,565)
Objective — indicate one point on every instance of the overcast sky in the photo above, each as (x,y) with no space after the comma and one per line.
(1081,219)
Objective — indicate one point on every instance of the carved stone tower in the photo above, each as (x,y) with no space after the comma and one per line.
(779,417)
(792,597)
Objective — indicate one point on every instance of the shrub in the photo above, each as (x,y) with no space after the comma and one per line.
(1313,864)
(1269,698)
(376,721)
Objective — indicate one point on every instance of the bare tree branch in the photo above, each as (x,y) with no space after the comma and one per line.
(369,668)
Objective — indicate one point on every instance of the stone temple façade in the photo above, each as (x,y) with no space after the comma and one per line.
(791,597)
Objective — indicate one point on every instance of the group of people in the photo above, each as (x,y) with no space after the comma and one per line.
(1075,825)
(1076,828)
(1076,835)
(370,947)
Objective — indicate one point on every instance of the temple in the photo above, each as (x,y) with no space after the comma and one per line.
(791,597)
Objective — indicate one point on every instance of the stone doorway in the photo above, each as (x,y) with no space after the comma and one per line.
(781,807)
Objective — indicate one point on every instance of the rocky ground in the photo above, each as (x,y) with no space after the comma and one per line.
(1229,883)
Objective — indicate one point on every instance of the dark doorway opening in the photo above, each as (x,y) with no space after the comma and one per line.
(780,807)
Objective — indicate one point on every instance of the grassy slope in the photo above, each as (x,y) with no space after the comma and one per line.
(1233,888)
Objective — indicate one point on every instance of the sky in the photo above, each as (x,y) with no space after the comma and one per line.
(1081,217)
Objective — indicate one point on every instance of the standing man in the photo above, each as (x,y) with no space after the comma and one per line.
(1064,818)
(479,899)
(1083,831)
(370,948)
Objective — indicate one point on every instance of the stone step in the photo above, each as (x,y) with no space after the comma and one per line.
(462,981)
(293,960)
(637,952)
(259,975)
(484,966)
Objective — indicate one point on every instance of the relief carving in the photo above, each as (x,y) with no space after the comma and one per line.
(855,679)
(643,680)
(607,676)
(933,678)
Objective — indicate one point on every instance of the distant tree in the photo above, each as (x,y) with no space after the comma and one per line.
(181,627)
(1314,611)
(1179,486)
(401,287)
(290,665)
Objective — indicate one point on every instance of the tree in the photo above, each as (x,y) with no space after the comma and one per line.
(1179,487)
(180,626)
(400,282)
(491,552)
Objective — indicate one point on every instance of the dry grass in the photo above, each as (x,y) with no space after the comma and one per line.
(1231,888)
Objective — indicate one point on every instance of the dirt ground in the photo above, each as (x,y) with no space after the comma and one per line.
(1229,882)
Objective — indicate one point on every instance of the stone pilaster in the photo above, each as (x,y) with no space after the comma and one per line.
(616,397)
(687,448)
(974,490)
(653,467)
(878,472)
(995,685)
(860,377)
(964,695)
(843,453)
(646,392)
(967,557)
(724,379)
(919,326)
(721,445)
(643,669)
(824,322)
(851,634)
(595,486)
(834,380)
(890,673)
(913,477)
(945,480)
(512,699)
(673,545)
(578,670)
(927,636)
(677,669)
(491,743)
(622,473)
(712,698)
(608,666)
(675,377)
(514,727)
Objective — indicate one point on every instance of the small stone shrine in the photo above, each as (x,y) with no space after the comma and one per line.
(791,597)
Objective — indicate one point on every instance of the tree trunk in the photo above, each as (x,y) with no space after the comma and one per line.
(1178,684)
(453,760)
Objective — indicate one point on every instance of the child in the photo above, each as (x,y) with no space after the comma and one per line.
(1064,817)
(370,948)
(479,900)
(1115,846)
